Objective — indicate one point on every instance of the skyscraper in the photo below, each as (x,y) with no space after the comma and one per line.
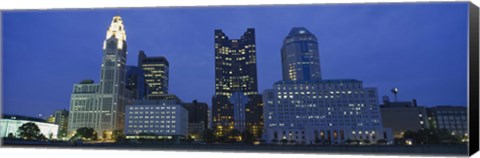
(300,56)
(105,109)
(236,92)
(136,82)
(156,73)
(304,109)
(112,81)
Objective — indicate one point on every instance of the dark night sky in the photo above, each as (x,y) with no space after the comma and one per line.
(421,48)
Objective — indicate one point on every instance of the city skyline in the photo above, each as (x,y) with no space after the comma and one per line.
(268,47)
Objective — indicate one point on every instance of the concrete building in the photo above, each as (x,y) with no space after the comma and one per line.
(156,73)
(83,101)
(156,119)
(403,116)
(236,103)
(9,124)
(300,56)
(197,119)
(322,111)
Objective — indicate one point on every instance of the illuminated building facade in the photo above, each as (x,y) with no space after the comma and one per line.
(156,119)
(300,56)
(11,123)
(236,73)
(104,109)
(156,73)
(322,111)
(83,104)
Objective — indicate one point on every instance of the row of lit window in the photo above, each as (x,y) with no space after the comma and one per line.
(151,131)
(152,112)
(151,107)
(151,117)
(151,126)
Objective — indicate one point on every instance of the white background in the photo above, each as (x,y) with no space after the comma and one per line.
(50,152)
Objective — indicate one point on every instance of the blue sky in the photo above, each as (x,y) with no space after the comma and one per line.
(421,48)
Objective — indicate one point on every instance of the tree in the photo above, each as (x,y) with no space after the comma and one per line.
(248,137)
(10,136)
(30,131)
(208,136)
(348,141)
(233,135)
(382,141)
(119,136)
(366,141)
(85,133)
(317,140)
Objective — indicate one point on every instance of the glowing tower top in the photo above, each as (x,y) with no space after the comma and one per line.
(117,31)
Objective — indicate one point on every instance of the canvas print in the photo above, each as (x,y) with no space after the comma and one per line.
(377,78)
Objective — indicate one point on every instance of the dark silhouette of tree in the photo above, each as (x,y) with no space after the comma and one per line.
(348,141)
(85,133)
(248,137)
(428,136)
(366,141)
(208,136)
(30,131)
(232,135)
(382,141)
(119,136)
(10,136)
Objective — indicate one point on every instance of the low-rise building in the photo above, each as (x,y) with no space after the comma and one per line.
(9,125)
(323,111)
(156,119)
(403,116)
(451,118)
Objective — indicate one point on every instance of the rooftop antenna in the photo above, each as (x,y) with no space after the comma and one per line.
(395,92)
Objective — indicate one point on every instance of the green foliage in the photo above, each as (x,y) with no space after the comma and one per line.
(119,136)
(10,136)
(85,133)
(30,131)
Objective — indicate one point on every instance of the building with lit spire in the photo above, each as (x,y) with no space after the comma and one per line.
(101,106)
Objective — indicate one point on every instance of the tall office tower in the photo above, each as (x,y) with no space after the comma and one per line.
(82,102)
(322,111)
(136,82)
(104,110)
(300,56)
(112,81)
(156,73)
(236,103)
(61,119)
(197,118)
